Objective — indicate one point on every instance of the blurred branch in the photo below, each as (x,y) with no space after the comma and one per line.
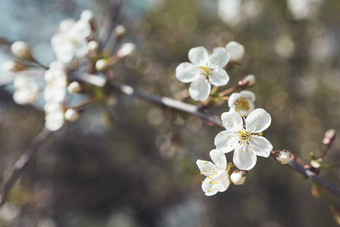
(115,7)
(171,103)
(22,162)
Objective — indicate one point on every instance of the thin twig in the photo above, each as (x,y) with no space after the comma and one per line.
(21,164)
(114,13)
(164,101)
(128,90)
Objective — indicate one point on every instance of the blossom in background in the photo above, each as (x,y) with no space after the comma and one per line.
(205,69)
(26,90)
(55,93)
(242,102)
(71,39)
(236,50)
(241,137)
(54,116)
(217,175)
(304,9)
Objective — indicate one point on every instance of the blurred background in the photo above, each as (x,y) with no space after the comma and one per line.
(133,163)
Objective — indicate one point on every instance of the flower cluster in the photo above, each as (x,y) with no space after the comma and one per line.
(74,42)
(243,123)
(206,69)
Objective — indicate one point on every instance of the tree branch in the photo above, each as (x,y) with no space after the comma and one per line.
(22,162)
(171,103)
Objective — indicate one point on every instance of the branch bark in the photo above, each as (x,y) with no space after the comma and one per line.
(171,103)
(22,162)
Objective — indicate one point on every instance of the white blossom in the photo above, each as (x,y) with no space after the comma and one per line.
(217,175)
(54,116)
(21,50)
(71,115)
(55,93)
(74,87)
(205,69)
(126,50)
(71,41)
(304,9)
(26,90)
(283,157)
(56,81)
(236,50)
(242,102)
(241,137)
(238,177)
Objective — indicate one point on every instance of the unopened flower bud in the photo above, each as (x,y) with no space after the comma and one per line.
(329,137)
(126,50)
(283,157)
(93,46)
(71,115)
(87,16)
(102,65)
(247,82)
(238,177)
(21,50)
(120,32)
(235,50)
(74,87)
(13,66)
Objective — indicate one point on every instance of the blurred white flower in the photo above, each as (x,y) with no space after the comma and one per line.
(21,50)
(71,115)
(217,176)
(71,40)
(126,49)
(74,87)
(242,102)
(229,11)
(236,50)
(55,93)
(26,90)
(304,9)
(56,81)
(12,66)
(243,139)
(204,69)
(54,116)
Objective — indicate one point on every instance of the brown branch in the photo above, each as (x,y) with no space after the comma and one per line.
(22,162)
(170,103)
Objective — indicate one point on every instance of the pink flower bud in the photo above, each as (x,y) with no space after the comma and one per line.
(329,137)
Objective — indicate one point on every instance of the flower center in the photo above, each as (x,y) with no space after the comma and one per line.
(244,136)
(205,71)
(242,104)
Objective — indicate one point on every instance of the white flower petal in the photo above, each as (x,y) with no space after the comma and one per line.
(233,98)
(243,158)
(222,181)
(207,168)
(226,141)
(236,50)
(248,95)
(187,72)
(260,146)
(219,77)
(219,57)
(198,56)
(200,89)
(232,121)
(54,121)
(208,187)
(218,157)
(258,121)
